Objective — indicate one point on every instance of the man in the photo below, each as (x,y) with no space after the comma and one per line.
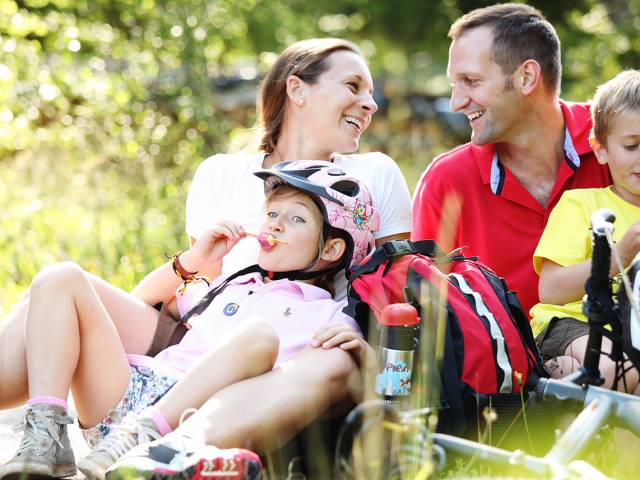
(493,195)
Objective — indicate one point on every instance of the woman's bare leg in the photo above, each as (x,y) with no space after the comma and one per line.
(265,411)
(13,360)
(71,342)
(250,351)
(134,320)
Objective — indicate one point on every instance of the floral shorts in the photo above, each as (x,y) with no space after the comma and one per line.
(145,387)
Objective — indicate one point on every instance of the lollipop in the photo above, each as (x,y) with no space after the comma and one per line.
(266,240)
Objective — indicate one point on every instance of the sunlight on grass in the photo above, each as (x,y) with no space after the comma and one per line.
(108,221)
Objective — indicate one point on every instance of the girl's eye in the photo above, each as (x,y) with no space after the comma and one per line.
(272,214)
(353,86)
(631,147)
(298,219)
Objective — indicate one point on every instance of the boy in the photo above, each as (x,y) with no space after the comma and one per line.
(563,256)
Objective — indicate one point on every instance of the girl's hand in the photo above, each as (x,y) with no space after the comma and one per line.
(212,245)
(339,335)
(345,337)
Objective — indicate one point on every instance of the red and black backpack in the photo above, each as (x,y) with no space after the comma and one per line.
(488,344)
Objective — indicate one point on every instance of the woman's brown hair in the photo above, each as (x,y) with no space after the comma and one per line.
(307,60)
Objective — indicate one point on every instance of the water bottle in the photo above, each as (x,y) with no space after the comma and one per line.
(398,341)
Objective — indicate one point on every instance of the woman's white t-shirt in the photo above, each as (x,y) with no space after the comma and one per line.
(224,188)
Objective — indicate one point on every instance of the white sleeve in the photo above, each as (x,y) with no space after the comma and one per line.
(203,210)
(393,200)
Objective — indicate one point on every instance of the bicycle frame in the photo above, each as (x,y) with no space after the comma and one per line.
(600,406)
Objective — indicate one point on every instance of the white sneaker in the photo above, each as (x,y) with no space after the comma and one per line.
(133,431)
(178,457)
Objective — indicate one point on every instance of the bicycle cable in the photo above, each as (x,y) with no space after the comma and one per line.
(621,370)
(625,278)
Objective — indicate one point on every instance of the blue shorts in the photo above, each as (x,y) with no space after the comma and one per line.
(145,387)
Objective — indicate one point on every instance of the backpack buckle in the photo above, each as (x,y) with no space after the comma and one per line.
(398,248)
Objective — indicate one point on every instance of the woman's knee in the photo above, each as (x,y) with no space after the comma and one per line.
(62,275)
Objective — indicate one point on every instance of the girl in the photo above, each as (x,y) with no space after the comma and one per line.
(319,222)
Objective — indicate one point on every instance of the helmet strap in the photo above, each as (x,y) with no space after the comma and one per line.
(305,273)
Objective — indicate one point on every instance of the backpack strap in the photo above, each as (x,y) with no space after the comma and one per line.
(205,301)
(450,408)
(452,418)
(510,300)
(396,248)
(358,310)
(522,322)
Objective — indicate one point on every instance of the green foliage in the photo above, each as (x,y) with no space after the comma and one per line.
(108,106)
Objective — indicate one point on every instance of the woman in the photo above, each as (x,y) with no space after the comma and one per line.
(314,103)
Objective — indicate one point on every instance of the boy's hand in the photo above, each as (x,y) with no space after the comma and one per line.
(212,245)
(629,245)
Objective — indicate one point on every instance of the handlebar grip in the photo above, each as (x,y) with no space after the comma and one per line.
(601,222)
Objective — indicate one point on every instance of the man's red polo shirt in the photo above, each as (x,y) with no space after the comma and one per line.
(500,222)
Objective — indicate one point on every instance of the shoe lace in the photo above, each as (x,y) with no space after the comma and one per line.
(125,436)
(40,428)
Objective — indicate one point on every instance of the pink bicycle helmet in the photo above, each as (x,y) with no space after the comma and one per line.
(346,203)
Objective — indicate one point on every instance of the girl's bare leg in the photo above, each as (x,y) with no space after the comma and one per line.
(71,342)
(251,351)
(134,320)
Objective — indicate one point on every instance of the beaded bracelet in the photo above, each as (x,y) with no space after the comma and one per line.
(186,276)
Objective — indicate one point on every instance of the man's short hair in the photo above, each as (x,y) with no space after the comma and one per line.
(618,95)
(520,33)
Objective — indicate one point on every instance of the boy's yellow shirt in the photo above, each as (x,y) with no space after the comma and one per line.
(566,240)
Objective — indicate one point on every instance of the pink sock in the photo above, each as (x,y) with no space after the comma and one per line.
(159,420)
(58,402)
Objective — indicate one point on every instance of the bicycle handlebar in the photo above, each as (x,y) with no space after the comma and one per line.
(602,220)
(626,407)
(598,302)
(601,223)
